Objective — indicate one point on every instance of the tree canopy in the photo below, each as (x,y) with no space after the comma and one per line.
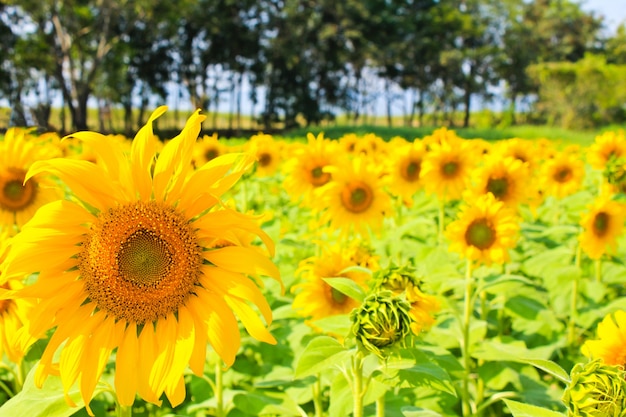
(306,61)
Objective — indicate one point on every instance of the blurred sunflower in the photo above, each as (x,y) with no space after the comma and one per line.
(505,178)
(207,149)
(20,199)
(611,343)
(609,145)
(355,199)
(267,152)
(306,170)
(602,225)
(315,298)
(521,149)
(129,267)
(446,168)
(348,142)
(562,175)
(13,315)
(484,231)
(404,166)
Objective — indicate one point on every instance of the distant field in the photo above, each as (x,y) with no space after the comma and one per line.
(173,121)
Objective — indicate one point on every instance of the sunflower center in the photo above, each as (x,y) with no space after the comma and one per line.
(211,154)
(144,258)
(15,194)
(411,170)
(499,187)
(601,224)
(450,169)
(357,197)
(140,261)
(265,159)
(562,174)
(480,234)
(319,177)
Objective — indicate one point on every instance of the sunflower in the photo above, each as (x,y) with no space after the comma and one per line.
(484,231)
(602,225)
(611,344)
(609,145)
(128,266)
(524,150)
(404,168)
(20,199)
(355,199)
(268,154)
(562,175)
(306,170)
(446,167)
(13,315)
(315,298)
(505,178)
(206,149)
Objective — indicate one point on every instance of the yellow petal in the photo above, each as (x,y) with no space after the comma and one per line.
(237,285)
(176,395)
(109,152)
(244,260)
(174,161)
(223,330)
(59,214)
(142,152)
(184,348)
(126,367)
(198,355)
(148,347)
(81,177)
(96,355)
(166,343)
(250,320)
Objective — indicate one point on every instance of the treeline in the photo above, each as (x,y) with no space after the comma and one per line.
(312,59)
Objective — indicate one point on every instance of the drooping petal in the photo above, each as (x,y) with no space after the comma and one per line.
(166,344)
(147,347)
(250,320)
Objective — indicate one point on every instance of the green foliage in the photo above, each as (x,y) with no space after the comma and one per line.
(587,93)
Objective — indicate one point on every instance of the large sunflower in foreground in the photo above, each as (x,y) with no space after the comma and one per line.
(611,343)
(602,225)
(20,199)
(484,231)
(355,200)
(130,266)
(315,298)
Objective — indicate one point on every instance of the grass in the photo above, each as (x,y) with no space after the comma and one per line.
(174,120)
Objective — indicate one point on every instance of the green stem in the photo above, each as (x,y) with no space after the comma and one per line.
(123,411)
(442,206)
(357,385)
(317,396)
(467,316)
(571,325)
(380,406)
(219,390)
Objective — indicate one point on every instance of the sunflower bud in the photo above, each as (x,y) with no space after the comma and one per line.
(596,390)
(381,321)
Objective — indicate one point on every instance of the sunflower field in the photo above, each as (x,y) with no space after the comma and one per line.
(416,277)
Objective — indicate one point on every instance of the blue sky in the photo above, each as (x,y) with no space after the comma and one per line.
(614,11)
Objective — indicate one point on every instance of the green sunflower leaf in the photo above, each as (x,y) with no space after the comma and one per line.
(321,354)
(47,401)
(526,410)
(348,287)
